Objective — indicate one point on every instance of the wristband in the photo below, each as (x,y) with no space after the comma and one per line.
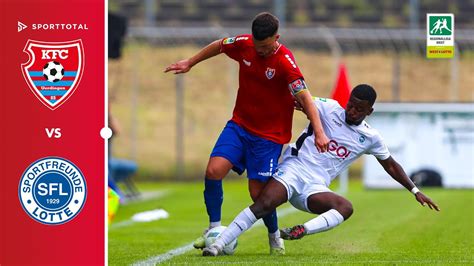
(415,190)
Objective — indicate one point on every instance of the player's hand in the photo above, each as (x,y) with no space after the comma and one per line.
(179,67)
(424,200)
(298,106)
(322,142)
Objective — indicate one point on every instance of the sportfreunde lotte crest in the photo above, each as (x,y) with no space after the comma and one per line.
(53,70)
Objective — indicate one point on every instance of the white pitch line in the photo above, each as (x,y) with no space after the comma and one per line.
(121,224)
(183,249)
(164,257)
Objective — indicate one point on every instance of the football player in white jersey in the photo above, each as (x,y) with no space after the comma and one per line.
(304,176)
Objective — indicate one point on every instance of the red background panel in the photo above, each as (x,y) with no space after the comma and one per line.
(24,140)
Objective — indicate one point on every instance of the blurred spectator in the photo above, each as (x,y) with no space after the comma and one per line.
(117,30)
(120,170)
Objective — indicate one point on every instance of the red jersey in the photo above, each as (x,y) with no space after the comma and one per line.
(264,105)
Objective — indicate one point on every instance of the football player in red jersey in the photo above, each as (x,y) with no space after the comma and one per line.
(269,83)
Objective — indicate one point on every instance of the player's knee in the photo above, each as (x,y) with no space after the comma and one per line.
(267,205)
(262,207)
(258,209)
(345,209)
(213,172)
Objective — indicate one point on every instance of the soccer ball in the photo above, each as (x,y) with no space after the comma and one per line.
(53,71)
(214,233)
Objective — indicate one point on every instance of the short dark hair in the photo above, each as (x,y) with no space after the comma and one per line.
(365,92)
(264,25)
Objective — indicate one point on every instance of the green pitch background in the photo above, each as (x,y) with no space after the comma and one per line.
(387,227)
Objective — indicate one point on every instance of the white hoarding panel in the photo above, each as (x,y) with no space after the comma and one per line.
(438,137)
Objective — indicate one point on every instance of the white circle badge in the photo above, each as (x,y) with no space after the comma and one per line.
(52,190)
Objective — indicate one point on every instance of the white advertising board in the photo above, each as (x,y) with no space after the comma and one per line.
(435,136)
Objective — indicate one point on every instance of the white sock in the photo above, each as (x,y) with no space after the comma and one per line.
(240,224)
(275,235)
(214,224)
(324,222)
(274,239)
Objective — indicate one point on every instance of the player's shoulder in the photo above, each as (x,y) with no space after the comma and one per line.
(239,40)
(327,103)
(370,132)
(283,50)
(285,55)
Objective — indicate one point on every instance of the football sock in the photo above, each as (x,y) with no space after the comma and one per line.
(240,224)
(271,222)
(323,222)
(213,198)
(214,224)
(275,235)
(274,239)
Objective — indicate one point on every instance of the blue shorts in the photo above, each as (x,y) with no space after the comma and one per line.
(245,151)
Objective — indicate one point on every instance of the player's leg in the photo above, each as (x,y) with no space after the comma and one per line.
(270,220)
(227,154)
(261,161)
(273,195)
(217,169)
(320,203)
(333,209)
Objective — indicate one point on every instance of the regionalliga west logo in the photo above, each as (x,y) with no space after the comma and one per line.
(52,190)
(440,35)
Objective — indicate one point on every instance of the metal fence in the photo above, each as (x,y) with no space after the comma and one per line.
(170,123)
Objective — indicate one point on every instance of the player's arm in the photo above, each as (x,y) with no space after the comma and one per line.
(183,66)
(303,96)
(396,171)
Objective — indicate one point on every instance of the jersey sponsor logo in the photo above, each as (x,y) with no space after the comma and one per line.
(52,190)
(247,63)
(297,86)
(290,60)
(337,123)
(341,151)
(270,73)
(229,40)
(54,70)
(242,38)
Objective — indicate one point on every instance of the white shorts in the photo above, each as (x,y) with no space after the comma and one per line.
(300,182)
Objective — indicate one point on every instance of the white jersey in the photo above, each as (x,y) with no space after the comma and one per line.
(347,143)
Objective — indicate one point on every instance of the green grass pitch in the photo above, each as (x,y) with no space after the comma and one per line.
(387,227)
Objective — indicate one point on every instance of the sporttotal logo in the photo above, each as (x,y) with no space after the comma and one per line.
(52,190)
(440,35)
(21,26)
(53,70)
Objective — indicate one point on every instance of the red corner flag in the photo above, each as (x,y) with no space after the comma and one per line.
(342,90)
